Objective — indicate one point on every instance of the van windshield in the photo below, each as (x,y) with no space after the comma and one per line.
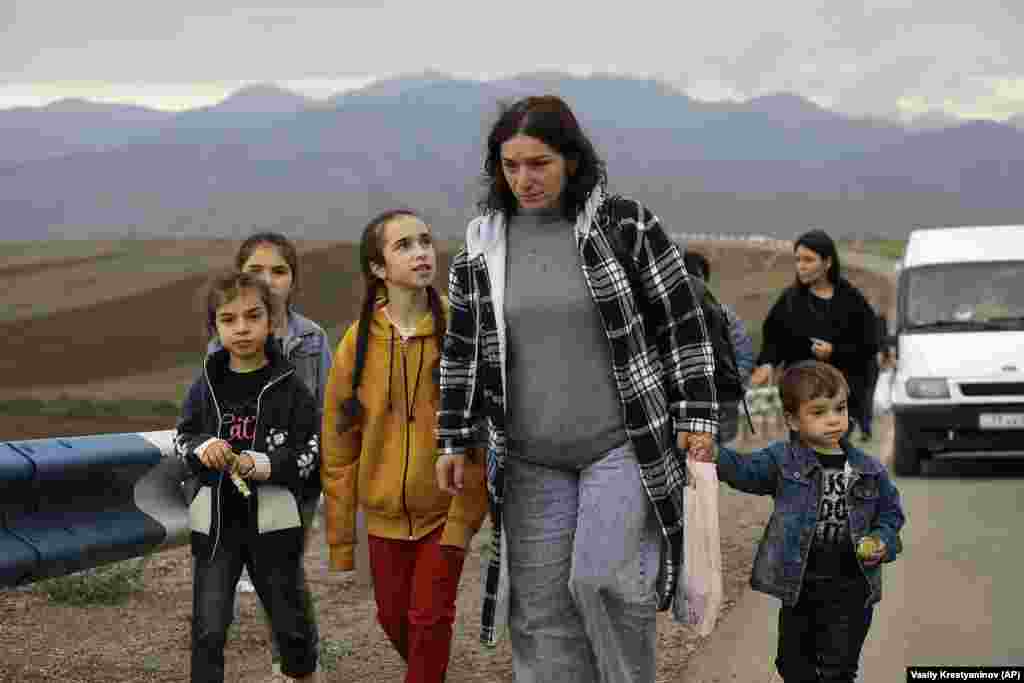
(964,296)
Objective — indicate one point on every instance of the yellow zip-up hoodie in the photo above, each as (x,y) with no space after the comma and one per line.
(386,460)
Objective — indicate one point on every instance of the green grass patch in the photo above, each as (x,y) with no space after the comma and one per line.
(181,391)
(151,663)
(53,250)
(129,256)
(82,407)
(891,249)
(111,584)
(332,652)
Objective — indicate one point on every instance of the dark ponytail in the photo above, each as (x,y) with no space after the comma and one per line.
(440,327)
(351,408)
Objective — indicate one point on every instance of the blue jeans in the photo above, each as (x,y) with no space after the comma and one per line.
(584,550)
(280,585)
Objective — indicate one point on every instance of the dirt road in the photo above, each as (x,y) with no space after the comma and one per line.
(146,639)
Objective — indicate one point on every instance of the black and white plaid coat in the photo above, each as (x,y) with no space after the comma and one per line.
(661,356)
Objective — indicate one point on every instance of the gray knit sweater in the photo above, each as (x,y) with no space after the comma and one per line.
(563,405)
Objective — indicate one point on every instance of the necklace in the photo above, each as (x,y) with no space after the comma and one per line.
(404,332)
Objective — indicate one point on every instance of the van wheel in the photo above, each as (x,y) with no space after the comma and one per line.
(906,458)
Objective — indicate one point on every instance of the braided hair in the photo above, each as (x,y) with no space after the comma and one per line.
(372,252)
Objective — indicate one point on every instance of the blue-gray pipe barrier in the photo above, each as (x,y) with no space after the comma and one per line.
(78,502)
(74,503)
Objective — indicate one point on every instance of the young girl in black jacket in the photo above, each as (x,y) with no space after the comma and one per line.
(248,431)
(821,317)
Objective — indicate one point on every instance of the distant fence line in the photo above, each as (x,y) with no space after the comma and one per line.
(761,240)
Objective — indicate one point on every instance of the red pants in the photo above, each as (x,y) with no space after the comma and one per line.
(415,583)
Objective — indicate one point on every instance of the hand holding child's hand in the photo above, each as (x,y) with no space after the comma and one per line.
(698,446)
(217,456)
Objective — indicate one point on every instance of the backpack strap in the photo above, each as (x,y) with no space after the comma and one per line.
(624,254)
(746,410)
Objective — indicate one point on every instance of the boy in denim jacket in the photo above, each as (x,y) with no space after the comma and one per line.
(837,517)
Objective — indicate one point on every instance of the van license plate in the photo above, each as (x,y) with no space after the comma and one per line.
(1001,420)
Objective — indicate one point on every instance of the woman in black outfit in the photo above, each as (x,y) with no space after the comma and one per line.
(821,316)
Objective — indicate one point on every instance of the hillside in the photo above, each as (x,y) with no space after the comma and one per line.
(149,331)
(263,159)
(148,342)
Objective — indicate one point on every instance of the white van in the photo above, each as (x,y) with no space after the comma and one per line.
(958,389)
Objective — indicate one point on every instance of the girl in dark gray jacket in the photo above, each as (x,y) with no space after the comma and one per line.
(248,432)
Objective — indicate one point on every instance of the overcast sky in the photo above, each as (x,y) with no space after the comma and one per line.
(881,57)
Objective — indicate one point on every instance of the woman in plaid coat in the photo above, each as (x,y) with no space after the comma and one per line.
(589,378)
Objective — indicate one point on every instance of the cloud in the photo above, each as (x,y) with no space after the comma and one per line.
(861,56)
(272,21)
(744,71)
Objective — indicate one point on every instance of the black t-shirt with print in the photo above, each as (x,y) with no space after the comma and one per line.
(237,395)
(832,552)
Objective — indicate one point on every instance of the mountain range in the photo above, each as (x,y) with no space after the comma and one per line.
(267,158)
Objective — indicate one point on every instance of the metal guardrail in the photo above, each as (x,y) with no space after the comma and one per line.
(75,503)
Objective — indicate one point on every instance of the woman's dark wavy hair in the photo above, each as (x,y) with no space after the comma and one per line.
(371,251)
(284,246)
(549,119)
(820,243)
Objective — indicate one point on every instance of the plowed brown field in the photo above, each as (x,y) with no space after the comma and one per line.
(127,346)
(155,330)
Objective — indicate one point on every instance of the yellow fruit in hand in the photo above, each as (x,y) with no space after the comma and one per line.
(868,547)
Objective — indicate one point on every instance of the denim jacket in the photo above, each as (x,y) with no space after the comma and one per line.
(792,474)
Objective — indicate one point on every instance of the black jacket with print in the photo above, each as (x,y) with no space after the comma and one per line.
(287,430)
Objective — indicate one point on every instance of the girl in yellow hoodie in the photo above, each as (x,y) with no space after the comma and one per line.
(379,448)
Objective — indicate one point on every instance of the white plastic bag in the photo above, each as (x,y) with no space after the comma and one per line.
(702,560)
(883,393)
